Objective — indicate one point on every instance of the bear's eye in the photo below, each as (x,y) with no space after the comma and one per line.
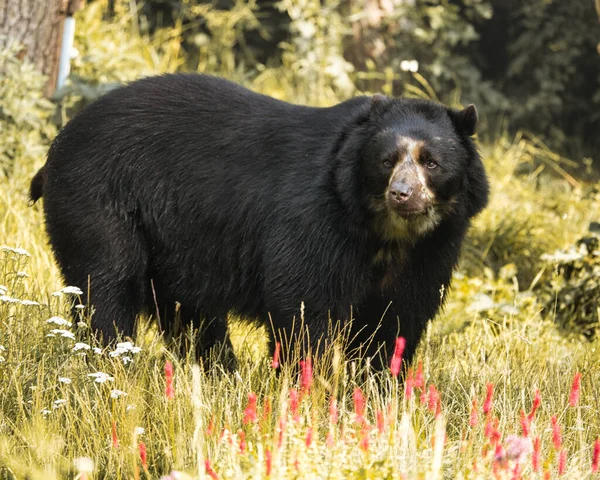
(431,164)
(388,163)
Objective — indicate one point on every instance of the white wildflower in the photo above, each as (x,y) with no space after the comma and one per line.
(126,359)
(117,393)
(7,299)
(63,333)
(125,347)
(101,377)
(50,335)
(29,302)
(97,350)
(139,430)
(45,412)
(64,380)
(81,325)
(2,348)
(72,291)
(59,403)
(22,275)
(3,290)
(61,322)
(18,251)
(409,66)
(79,306)
(57,294)
(129,407)
(84,465)
(81,346)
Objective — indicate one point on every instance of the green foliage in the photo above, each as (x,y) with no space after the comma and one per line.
(24,112)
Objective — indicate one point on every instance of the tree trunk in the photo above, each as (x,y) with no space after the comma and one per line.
(37,25)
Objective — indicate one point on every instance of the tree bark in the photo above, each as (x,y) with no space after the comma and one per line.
(37,25)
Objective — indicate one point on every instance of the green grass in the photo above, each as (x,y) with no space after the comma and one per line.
(47,424)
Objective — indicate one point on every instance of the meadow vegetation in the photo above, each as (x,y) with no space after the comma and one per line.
(504,384)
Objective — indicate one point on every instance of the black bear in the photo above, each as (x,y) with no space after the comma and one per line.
(189,188)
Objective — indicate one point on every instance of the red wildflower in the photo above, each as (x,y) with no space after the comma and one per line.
(329,440)
(525,423)
(242,437)
(419,379)
(474,416)
(575,387)
(423,397)
(537,400)
(396,362)
(169,391)
(114,438)
(306,377)
(268,461)
(380,422)
(266,408)
(309,437)
(487,405)
(433,401)
(556,434)
(596,456)
(359,405)
(364,438)
(333,411)
(409,384)
(281,430)
(143,457)
(536,458)
(209,470)
(250,411)
(211,426)
(275,362)
(294,404)
(562,462)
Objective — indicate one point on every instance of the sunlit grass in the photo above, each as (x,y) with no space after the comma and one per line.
(56,413)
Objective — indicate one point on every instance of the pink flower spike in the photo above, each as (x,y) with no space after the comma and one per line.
(209,470)
(309,437)
(536,459)
(114,438)
(306,376)
(329,440)
(433,401)
(396,363)
(596,456)
(250,415)
(242,437)
(333,411)
(169,391)
(575,388)
(380,422)
(364,438)
(294,405)
(524,423)
(419,379)
(359,405)
(562,462)
(474,416)
(281,430)
(268,461)
(537,400)
(556,434)
(409,384)
(275,362)
(143,456)
(489,398)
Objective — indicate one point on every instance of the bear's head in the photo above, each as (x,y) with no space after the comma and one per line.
(418,165)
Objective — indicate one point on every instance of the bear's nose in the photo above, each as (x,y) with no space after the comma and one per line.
(401,191)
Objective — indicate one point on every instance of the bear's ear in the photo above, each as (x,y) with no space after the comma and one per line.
(466,119)
(378,102)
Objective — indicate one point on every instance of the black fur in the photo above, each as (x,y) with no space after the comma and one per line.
(226,200)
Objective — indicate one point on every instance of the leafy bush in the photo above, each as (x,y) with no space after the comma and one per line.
(24,112)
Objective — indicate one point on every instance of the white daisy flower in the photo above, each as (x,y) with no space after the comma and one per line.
(101,377)
(61,322)
(81,346)
(29,302)
(72,291)
(97,350)
(63,333)
(117,393)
